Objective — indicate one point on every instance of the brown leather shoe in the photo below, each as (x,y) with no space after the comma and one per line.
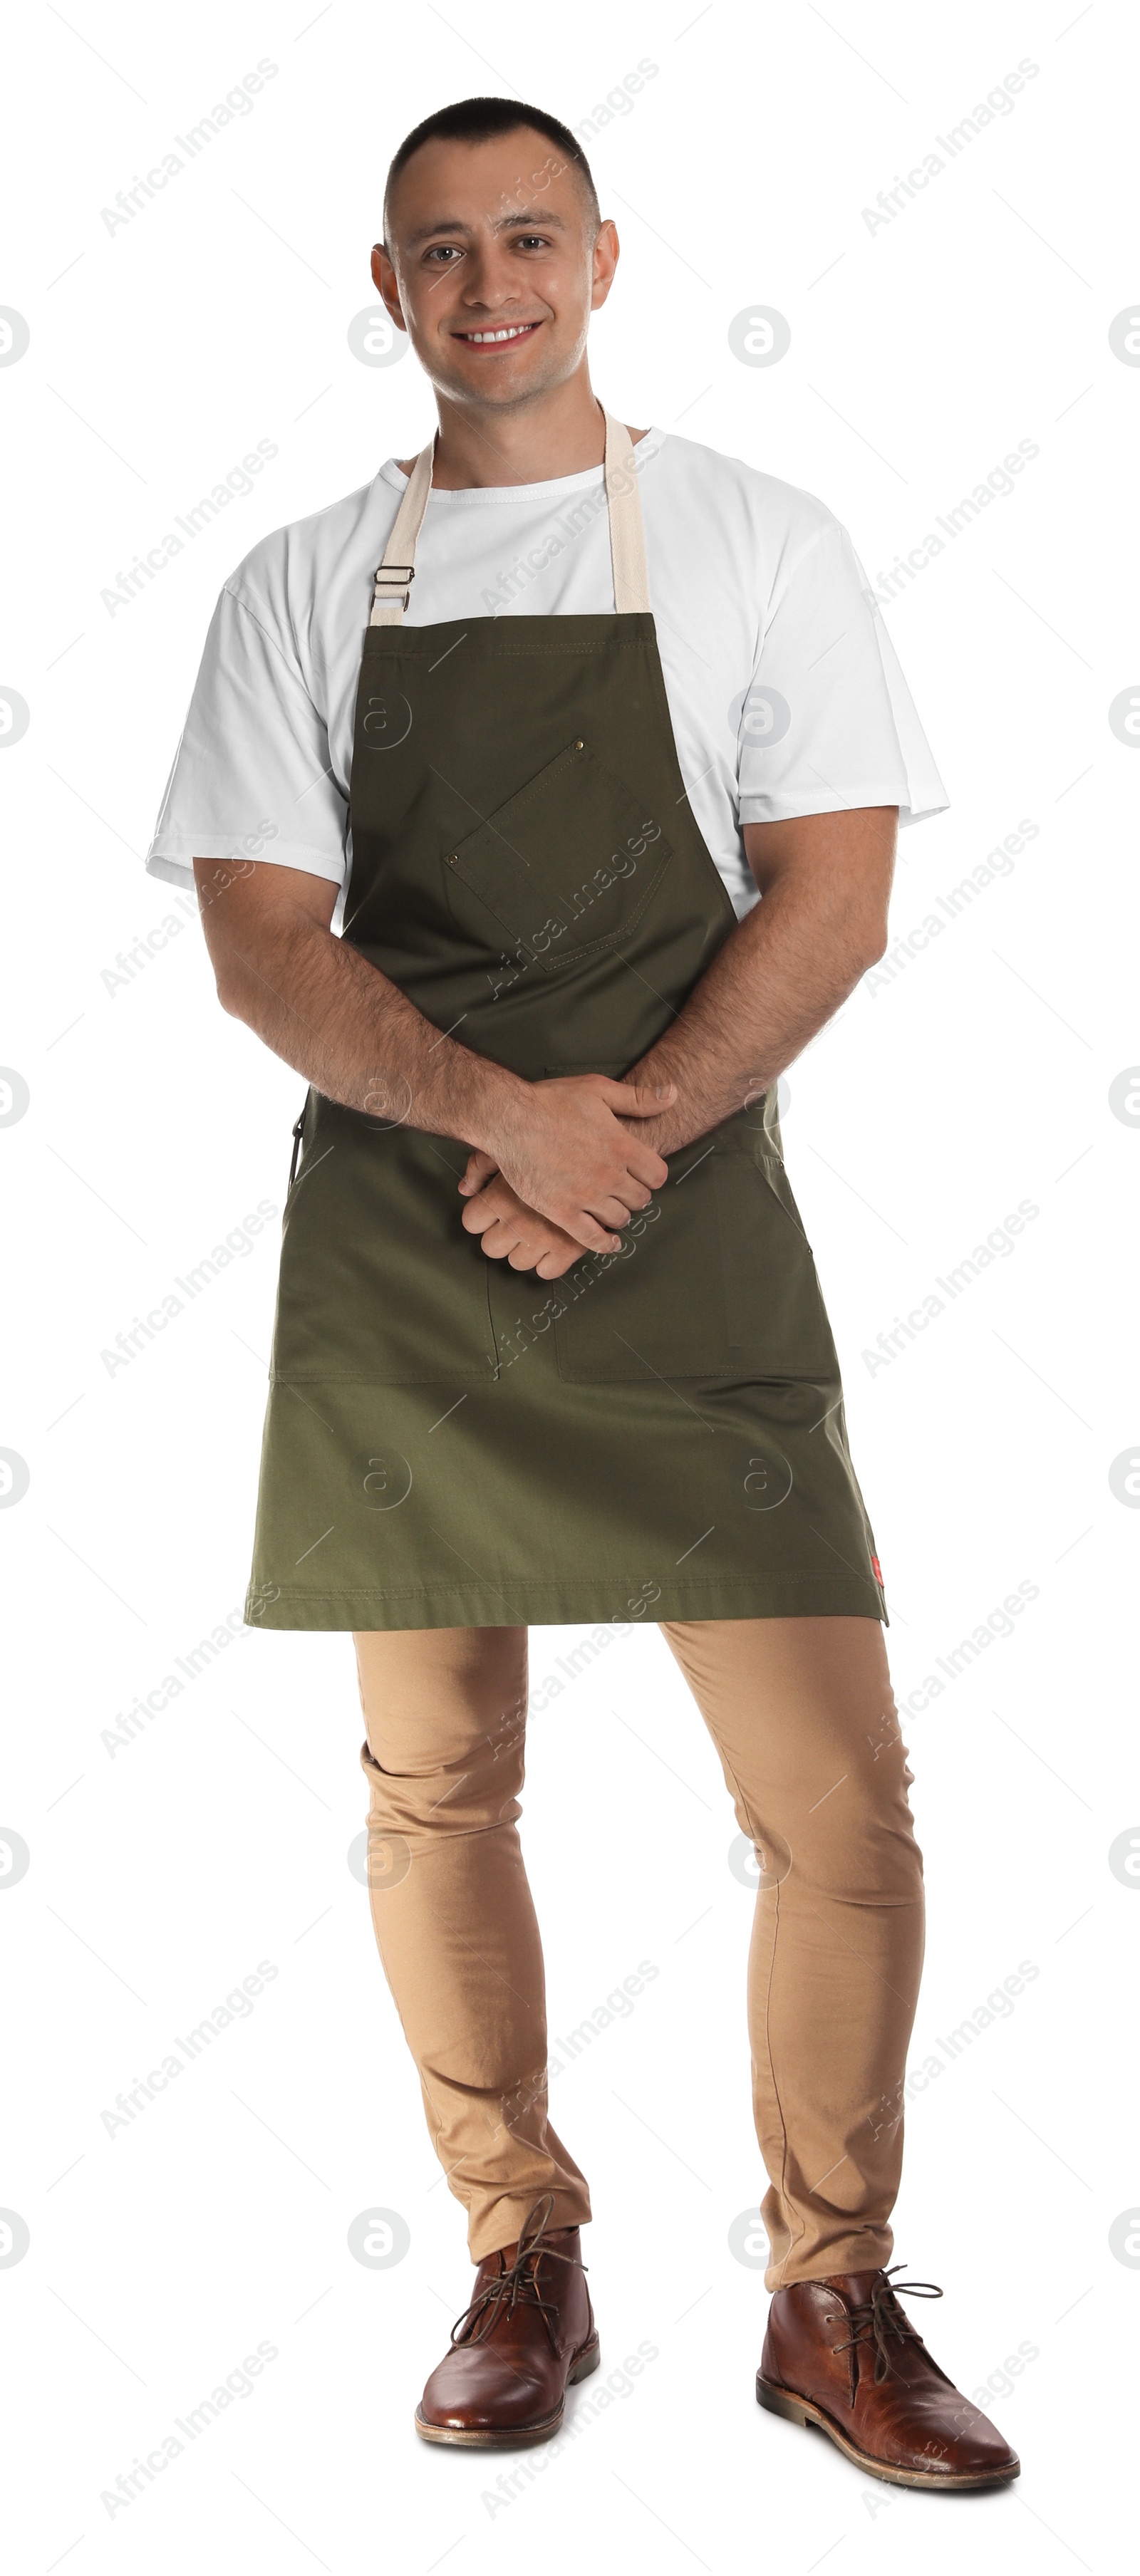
(903,2419)
(527,2335)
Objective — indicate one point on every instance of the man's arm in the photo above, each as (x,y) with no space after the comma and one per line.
(825,882)
(353,1034)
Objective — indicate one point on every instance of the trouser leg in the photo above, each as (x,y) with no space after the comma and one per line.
(445,1720)
(802,1714)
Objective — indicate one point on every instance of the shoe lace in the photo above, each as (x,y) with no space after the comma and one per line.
(877,2319)
(519,2282)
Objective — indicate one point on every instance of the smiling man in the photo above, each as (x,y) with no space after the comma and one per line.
(590,742)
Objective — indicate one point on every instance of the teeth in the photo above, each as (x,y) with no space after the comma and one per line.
(515,333)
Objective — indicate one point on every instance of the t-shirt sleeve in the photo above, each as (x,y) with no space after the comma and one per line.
(828,721)
(253,763)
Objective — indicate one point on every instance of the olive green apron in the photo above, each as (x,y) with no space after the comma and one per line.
(659,1434)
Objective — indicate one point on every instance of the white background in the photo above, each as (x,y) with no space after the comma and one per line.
(978,1075)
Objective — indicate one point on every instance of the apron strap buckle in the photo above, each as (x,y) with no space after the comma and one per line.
(391,586)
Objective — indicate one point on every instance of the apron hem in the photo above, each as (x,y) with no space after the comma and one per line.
(561,1604)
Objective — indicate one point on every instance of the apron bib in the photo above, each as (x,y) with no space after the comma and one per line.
(449,1442)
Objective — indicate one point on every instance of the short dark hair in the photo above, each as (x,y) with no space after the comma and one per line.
(482,120)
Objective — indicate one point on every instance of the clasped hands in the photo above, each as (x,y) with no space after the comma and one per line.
(565,1172)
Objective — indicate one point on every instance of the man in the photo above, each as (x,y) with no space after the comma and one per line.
(623,782)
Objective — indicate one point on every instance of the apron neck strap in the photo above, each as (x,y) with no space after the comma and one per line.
(627,535)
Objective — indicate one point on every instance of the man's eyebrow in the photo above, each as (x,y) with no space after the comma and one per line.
(533,220)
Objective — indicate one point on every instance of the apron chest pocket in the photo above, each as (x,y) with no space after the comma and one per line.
(567,865)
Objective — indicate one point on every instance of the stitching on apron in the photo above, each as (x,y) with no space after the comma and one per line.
(580,1583)
(508,652)
(586,948)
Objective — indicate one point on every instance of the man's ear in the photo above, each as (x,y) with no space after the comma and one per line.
(385,282)
(607,252)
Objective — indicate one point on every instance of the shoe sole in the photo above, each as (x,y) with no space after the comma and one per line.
(513,2437)
(800,2410)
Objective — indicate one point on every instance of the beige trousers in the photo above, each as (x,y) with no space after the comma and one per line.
(802,1715)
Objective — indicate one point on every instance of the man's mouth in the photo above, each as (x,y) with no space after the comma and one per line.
(497,339)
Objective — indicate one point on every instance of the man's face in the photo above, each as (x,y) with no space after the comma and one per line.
(493,266)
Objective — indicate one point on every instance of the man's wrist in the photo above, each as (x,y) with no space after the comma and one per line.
(661,1134)
(488,1102)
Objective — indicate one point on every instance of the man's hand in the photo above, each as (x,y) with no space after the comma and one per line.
(565,1153)
(511,1232)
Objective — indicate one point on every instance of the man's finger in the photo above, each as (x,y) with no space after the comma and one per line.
(644,1165)
(592,1236)
(479,1169)
(639,1099)
(498,1240)
(613,1211)
(478,1215)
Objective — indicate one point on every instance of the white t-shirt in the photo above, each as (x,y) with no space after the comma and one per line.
(783,685)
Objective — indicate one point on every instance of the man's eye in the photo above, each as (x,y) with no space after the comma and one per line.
(445,251)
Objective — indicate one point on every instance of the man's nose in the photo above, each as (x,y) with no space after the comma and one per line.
(489,285)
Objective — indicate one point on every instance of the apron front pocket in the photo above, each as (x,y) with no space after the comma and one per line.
(380,1282)
(715,1278)
(776,1318)
(567,865)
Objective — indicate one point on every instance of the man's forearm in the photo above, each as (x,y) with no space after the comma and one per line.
(776,981)
(349,1029)
(355,1036)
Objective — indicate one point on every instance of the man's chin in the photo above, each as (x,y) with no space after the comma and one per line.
(491,386)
